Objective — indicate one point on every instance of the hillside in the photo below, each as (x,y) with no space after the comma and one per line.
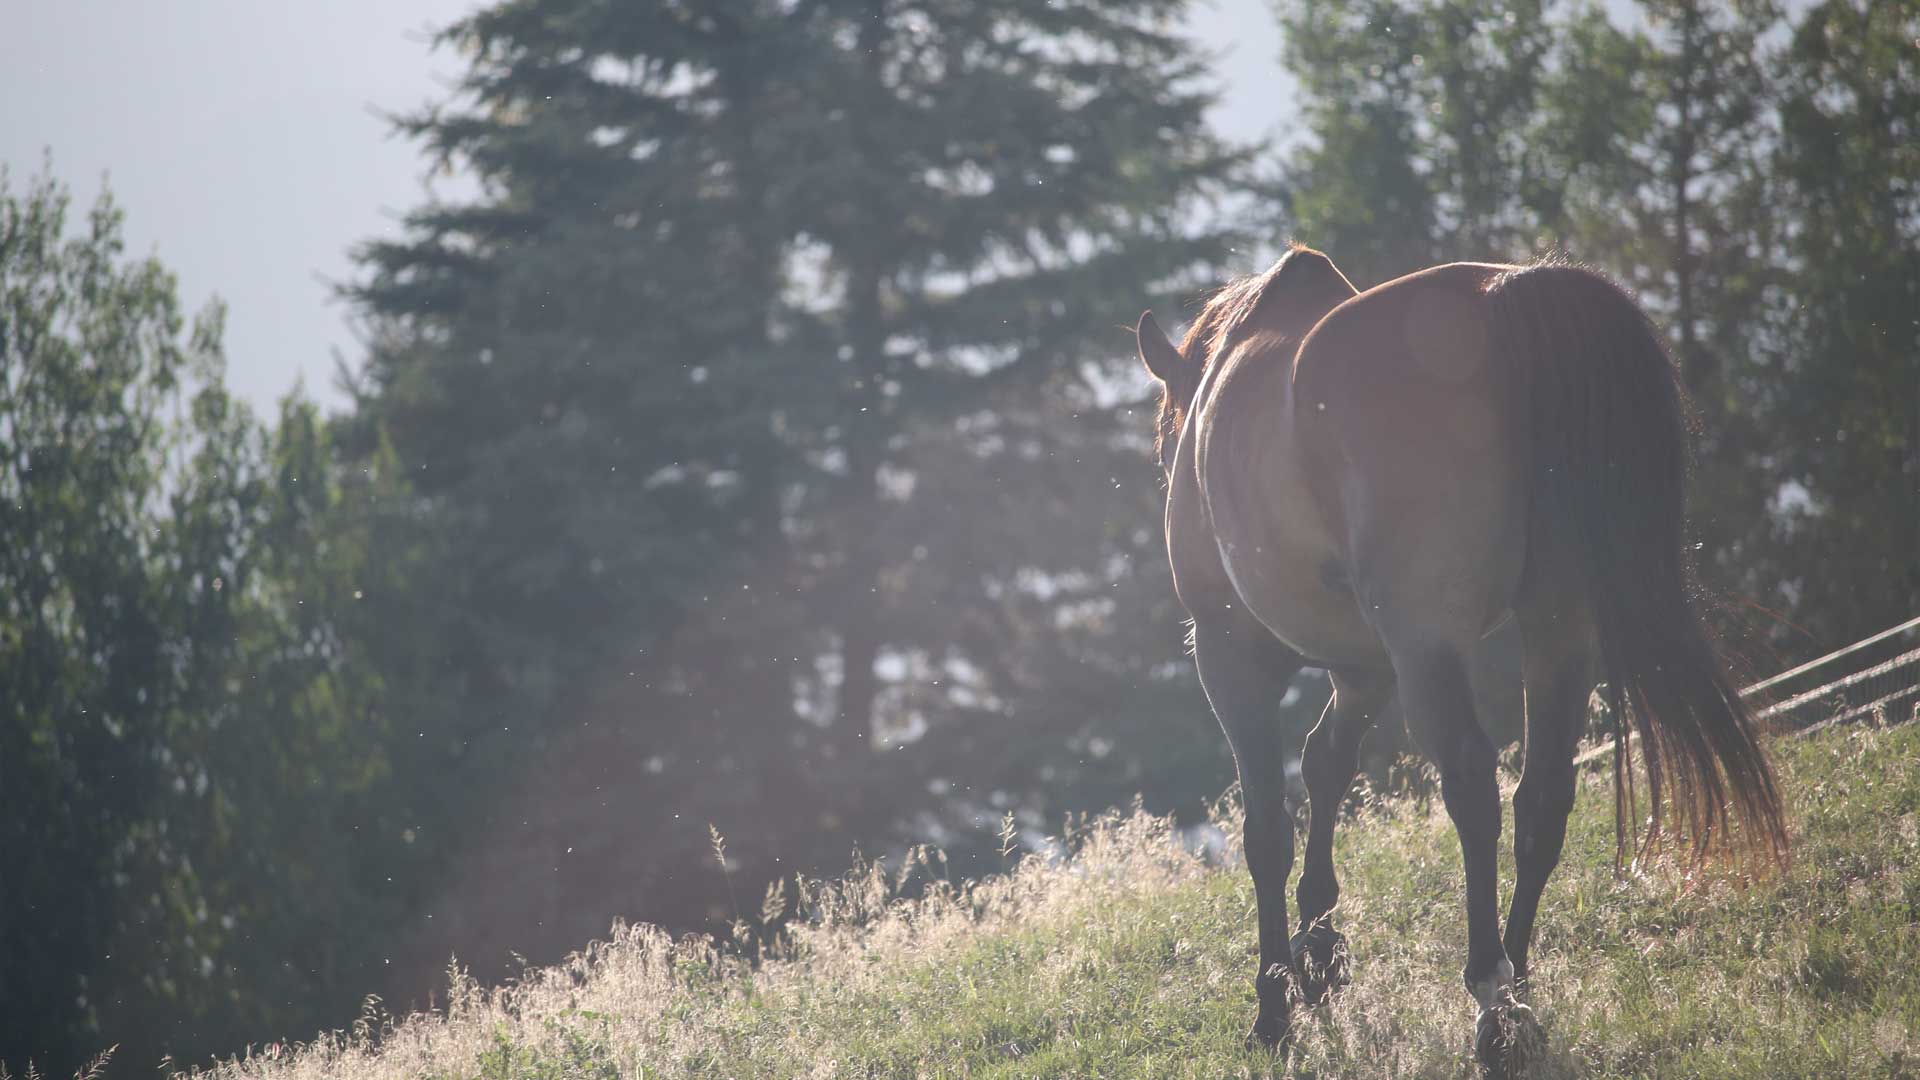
(1132,960)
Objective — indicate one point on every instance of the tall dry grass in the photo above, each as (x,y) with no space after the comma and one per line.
(1132,957)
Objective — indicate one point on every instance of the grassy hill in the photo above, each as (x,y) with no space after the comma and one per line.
(1133,958)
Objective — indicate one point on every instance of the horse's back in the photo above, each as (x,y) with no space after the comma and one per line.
(1426,328)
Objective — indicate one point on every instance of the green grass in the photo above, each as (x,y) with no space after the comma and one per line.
(1133,959)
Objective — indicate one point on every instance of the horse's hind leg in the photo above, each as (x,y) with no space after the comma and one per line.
(1245,671)
(1559,673)
(1331,760)
(1434,691)
(1438,701)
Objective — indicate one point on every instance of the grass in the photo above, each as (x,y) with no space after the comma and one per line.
(1134,959)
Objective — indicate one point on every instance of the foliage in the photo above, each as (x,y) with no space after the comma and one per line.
(120,574)
(181,737)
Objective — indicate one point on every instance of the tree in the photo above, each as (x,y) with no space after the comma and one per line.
(99,577)
(188,750)
(1686,213)
(1422,144)
(739,402)
(1673,154)
(1015,179)
(1842,397)
(1747,237)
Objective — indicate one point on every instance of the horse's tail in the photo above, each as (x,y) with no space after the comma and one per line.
(1609,423)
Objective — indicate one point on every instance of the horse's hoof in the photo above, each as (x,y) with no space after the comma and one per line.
(1269,1034)
(1507,1039)
(1322,961)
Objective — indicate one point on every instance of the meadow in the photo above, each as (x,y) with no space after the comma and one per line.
(1131,957)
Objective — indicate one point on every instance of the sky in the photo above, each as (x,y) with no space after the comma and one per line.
(246,143)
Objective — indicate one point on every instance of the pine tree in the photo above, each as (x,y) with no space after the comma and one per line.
(580,374)
(1420,124)
(1013,179)
(739,403)
(1686,215)
(1842,399)
(1535,128)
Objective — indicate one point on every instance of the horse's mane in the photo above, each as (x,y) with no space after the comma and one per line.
(1226,312)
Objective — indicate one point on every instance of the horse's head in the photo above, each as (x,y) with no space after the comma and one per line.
(1287,298)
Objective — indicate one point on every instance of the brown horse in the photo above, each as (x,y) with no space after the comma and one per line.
(1369,483)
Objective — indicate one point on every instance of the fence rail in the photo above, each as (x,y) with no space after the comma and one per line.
(1867,642)
(1880,691)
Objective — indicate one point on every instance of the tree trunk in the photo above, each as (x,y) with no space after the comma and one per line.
(866,439)
(859,595)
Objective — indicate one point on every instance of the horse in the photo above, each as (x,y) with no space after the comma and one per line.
(1370,483)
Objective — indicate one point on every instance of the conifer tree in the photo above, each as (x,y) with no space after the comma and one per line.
(775,363)
(1421,145)
(1842,378)
(1012,180)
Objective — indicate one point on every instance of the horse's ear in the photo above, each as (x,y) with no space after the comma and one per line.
(1158,353)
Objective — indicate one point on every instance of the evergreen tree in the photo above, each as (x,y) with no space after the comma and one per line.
(1421,131)
(1014,181)
(1686,214)
(561,373)
(1841,398)
(1646,149)
(738,407)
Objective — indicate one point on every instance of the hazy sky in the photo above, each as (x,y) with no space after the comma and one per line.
(245,143)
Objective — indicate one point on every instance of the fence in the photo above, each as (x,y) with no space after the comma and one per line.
(1885,692)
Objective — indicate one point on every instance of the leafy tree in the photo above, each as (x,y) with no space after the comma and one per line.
(187,749)
(1357,187)
(112,556)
